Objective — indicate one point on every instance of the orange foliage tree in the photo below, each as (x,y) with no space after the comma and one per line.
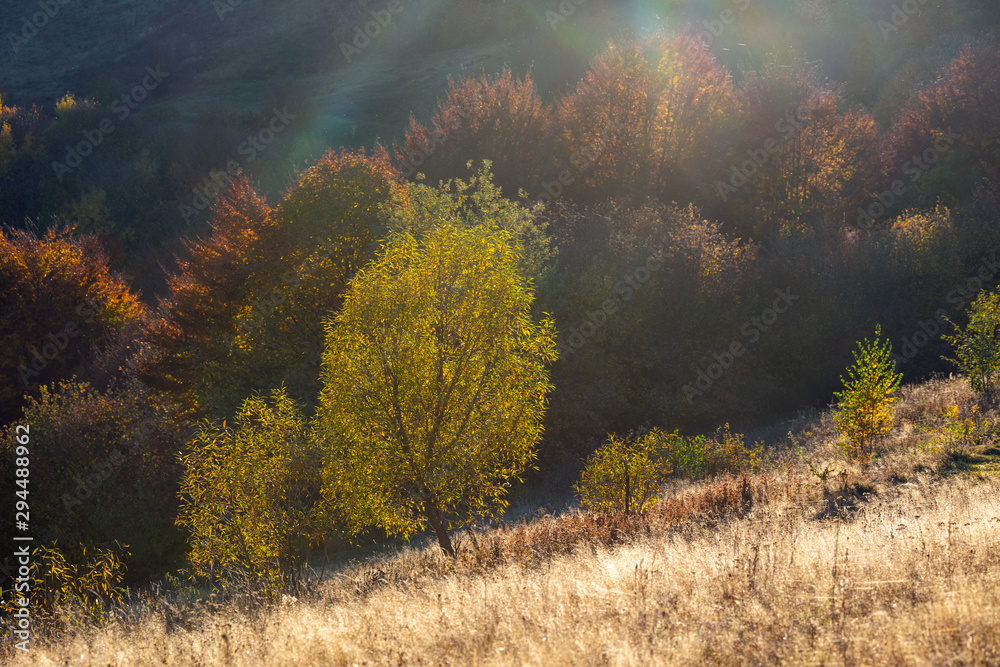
(501,120)
(246,308)
(946,137)
(647,120)
(800,158)
(191,336)
(60,299)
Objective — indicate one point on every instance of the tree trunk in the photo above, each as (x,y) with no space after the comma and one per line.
(437,523)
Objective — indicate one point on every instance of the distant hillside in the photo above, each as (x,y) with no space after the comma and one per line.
(250,54)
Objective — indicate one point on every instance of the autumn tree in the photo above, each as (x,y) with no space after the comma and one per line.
(250,495)
(245,308)
(434,383)
(943,141)
(640,294)
(190,340)
(476,201)
(60,300)
(800,157)
(646,120)
(500,119)
(329,223)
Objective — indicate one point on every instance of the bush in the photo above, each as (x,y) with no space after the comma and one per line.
(251,496)
(103,470)
(699,456)
(79,588)
(977,347)
(623,475)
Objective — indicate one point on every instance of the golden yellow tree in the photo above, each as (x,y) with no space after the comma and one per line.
(435,383)
(250,495)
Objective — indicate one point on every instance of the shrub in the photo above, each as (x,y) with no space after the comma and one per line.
(79,588)
(250,496)
(699,456)
(977,347)
(623,475)
(864,412)
(103,470)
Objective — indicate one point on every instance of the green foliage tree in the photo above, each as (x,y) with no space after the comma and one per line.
(473,202)
(250,496)
(977,347)
(864,409)
(434,382)
(623,475)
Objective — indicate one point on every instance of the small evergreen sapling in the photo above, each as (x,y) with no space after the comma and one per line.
(865,405)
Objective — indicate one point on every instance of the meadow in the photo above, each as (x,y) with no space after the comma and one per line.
(896,564)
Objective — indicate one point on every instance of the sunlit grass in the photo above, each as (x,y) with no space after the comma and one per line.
(894,564)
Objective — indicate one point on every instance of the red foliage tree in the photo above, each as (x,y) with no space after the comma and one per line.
(951,122)
(216,277)
(501,120)
(647,120)
(59,299)
(801,157)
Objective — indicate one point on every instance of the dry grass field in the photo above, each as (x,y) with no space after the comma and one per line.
(895,565)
